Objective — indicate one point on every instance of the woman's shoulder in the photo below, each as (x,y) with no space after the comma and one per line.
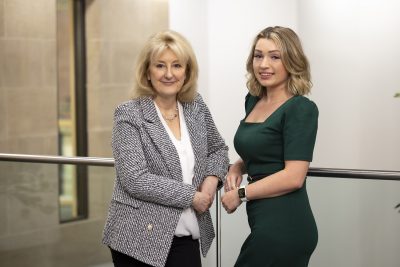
(198,101)
(133,108)
(198,98)
(250,101)
(250,97)
(301,106)
(302,103)
(128,105)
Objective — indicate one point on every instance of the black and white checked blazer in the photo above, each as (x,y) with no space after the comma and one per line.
(149,194)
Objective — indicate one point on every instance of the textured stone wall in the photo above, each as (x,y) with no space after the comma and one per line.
(30,232)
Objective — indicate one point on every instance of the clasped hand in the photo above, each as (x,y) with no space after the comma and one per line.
(230,200)
(202,201)
(204,198)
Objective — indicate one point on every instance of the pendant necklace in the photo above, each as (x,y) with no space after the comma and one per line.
(172,116)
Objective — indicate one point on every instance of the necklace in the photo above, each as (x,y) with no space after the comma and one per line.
(172,116)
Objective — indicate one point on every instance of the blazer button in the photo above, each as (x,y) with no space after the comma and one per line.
(149,227)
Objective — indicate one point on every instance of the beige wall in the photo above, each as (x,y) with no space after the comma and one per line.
(30,232)
(28,119)
(27,72)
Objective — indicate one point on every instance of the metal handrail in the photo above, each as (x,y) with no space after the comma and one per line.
(94,161)
(109,162)
(355,173)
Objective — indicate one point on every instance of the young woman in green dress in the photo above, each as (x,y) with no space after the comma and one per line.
(275,141)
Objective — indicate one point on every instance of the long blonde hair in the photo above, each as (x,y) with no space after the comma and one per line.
(293,58)
(157,44)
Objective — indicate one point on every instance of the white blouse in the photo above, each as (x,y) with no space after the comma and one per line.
(187,224)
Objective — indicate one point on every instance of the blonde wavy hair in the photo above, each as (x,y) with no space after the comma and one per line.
(293,59)
(153,48)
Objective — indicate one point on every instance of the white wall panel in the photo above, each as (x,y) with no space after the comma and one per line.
(353,49)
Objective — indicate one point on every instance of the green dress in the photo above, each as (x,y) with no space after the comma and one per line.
(283,229)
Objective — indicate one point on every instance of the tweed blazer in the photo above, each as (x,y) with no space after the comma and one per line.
(149,193)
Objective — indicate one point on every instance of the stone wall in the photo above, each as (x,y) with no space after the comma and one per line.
(30,231)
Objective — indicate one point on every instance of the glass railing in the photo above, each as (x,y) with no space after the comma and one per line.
(358,218)
(31,231)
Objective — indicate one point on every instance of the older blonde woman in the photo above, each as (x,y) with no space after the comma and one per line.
(169,161)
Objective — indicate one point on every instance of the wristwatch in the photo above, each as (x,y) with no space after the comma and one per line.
(242,193)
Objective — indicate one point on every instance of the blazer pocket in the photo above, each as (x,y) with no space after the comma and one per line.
(133,202)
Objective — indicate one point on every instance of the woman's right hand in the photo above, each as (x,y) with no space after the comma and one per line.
(234,176)
(202,202)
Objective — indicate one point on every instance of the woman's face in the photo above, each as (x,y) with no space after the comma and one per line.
(167,74)
(267,65)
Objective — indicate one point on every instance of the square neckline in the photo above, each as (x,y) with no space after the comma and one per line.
(272,114)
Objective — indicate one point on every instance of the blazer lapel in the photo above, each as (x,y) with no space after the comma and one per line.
(197,137)
(160,138)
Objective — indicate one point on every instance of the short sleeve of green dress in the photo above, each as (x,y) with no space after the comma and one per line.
(300,123)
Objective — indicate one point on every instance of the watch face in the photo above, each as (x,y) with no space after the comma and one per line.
(242,193)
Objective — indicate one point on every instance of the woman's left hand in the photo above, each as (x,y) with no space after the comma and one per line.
(230,201)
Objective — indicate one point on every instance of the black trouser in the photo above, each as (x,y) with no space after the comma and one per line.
(184,252)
